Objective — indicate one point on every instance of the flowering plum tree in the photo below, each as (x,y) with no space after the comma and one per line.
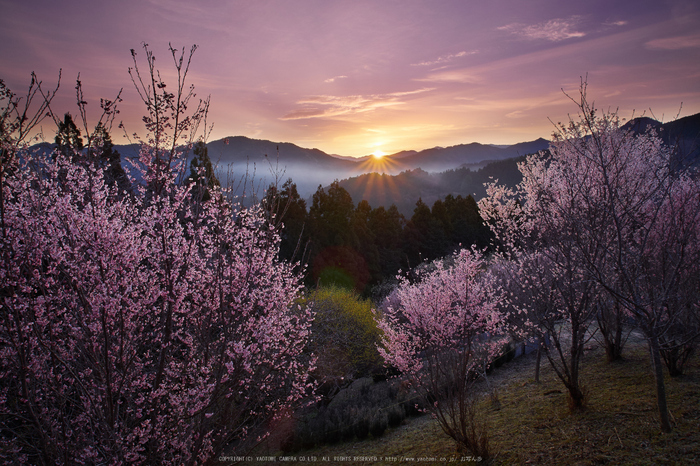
(637,221)
(441,333)
(134,330)
(631,217)
(550,285)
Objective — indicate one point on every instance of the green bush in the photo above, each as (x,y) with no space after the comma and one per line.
(332,430)
(344,334)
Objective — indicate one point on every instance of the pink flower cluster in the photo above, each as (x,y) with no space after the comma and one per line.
(136,329)
(449,307)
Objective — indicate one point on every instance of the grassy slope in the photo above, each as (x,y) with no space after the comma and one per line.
(532,425)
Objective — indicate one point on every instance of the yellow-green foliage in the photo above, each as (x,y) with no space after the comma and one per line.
(344,333)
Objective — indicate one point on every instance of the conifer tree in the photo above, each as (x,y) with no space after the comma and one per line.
(108,158)
(202,172)
(68,136)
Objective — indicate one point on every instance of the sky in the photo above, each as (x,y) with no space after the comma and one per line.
(360,77)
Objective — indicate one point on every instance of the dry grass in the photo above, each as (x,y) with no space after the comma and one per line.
(619,425)
(532,423)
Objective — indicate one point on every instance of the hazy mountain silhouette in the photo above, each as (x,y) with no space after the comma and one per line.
(683,135)
(310,168)
(263,162)
(404,189)
(444,158)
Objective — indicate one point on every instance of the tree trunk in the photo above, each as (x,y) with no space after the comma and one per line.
(539,359)
(617,353)
(610,323)
(657,367)
(577,398)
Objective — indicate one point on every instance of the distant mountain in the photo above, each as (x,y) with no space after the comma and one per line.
(525,148)
(642,124)
(684,128)
(262,162)
(350,158)
(237,149)
(397,156)
(444,158)
(403,154)
(266,161)
(405,188)
(683,135)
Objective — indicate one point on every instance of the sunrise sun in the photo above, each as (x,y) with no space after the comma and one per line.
(378,154)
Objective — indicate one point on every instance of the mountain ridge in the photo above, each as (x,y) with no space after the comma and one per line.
(273,162)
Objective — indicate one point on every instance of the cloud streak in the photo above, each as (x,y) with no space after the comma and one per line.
(675,43)
(334,78)
(329,106)
(445,58)
(616,23)
(554,30)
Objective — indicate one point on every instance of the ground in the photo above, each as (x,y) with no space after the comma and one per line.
(531,423)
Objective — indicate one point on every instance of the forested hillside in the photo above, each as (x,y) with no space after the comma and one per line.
(404,189)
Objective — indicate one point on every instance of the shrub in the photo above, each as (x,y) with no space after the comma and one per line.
(395,416)
(332,429)
(374,406)
(378,425)
(345,334)
(362,424)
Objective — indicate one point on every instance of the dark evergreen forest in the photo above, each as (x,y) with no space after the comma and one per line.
(361,247)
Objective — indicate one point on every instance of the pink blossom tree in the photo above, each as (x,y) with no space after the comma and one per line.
(630,215)
(638,220)
(551,297)
(134,330)
(441,334)
(19,116)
